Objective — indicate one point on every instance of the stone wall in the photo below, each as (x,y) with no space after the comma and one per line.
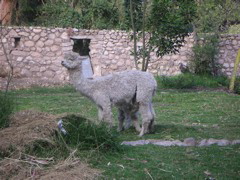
(228,49)
(37,53)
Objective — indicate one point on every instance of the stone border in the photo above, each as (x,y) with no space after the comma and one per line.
(186,142)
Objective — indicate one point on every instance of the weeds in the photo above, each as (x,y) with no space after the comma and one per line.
(6,109)
(188,81)
(82,135)
(85,135)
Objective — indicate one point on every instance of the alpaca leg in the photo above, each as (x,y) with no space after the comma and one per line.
(100,114)
(127,120)
(134,118)
(121,117)
(147,117)
(151,126)
(107,114)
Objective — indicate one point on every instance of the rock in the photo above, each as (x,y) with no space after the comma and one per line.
(19,53)
(36,54)
(135,143)
(36,37)
(54,48)
(29,43)
(203,143)
(223,142)
(190,141)
(49,42)
(235,142)
(37,30)
(40,44)
(211,141)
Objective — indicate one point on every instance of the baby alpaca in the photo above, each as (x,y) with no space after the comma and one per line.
(130,91)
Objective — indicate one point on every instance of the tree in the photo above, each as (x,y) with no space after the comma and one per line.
(164,26)
(216,15)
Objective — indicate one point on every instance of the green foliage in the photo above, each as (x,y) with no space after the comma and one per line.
(86,135)
(188,81)
(59,14)
(6,108)
(204,56)
(234,29)
(166,22)
(216,15)
(169,23)
(82,135)
(101,14)
(25,11)
(237,86)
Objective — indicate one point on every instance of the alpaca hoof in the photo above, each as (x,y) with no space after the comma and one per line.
(141,134)
(120,129)
(127,126)
(138,129)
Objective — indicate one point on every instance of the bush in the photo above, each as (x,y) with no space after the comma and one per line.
(59,14)
(6,109)
(187,81)
(86,135)
(203,61)
(237,86)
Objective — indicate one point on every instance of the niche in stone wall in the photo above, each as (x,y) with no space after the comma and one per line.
(16,42)
(81,46)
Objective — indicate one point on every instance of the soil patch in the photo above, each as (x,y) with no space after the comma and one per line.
(26,127)
(23,83)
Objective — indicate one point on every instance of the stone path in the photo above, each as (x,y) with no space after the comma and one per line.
(186,142)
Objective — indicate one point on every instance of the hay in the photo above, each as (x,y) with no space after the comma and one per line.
(19,169)
(26,127)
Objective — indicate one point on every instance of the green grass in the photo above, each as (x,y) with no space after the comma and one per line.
(179,115)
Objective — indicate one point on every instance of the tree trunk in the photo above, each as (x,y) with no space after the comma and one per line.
(134,35)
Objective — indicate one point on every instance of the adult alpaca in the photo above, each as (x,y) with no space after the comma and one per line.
(130,91)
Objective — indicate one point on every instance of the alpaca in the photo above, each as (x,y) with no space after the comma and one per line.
(131,91)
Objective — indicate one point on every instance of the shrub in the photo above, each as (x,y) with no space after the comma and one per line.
(59,14)
(6,109)
(178,82)
(237,86)
(186,81)
(86,135)
(203,61)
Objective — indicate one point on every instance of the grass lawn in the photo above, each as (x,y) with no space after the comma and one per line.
(179,115)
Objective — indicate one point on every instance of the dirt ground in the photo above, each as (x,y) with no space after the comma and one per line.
(25,128)
(22,83)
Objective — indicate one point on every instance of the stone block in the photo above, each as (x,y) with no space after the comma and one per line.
(54,48)
(36,54)
(37,30)
(48,42)
(19,53)
(29,43)
(24,34)
(50,54)
(51,36)
(36,37)
(43,34)
(64,35)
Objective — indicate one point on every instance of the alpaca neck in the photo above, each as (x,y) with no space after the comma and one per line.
(79,81)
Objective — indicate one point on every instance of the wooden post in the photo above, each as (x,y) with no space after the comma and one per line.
(234,73)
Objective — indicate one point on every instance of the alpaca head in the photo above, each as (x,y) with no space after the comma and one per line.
(72,61)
